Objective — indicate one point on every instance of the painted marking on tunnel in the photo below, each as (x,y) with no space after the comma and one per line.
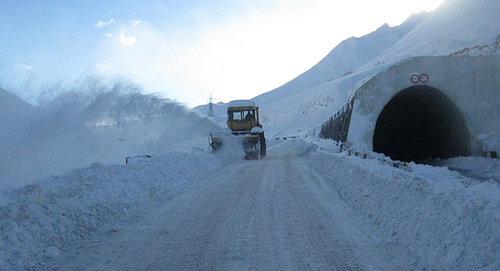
(416,78)
(424,78)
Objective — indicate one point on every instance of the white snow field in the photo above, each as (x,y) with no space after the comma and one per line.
(305,206)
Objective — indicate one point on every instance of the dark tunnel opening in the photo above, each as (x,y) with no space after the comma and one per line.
(421,123)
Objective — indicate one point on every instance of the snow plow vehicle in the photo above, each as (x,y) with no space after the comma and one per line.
(243,121)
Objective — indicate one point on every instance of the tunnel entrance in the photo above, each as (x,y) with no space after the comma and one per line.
(421,123)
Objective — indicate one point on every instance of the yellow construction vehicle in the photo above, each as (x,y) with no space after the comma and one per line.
(243,121)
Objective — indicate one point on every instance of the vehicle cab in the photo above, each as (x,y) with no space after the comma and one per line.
(243,115)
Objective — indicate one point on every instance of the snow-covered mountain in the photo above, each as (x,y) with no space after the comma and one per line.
(220,111)
(457,27)
(454,27)
(14,114)
(344,58)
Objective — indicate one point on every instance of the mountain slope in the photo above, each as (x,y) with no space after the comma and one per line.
(344,58)
(464,26)
(14,113)
(455,26)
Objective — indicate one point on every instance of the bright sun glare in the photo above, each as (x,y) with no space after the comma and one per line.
(240,53)
(255,52)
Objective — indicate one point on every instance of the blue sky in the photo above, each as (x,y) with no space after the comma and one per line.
(181,49)
(58,39)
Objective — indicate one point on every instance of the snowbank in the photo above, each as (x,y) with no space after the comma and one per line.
(292,147)
(40,220)
(431,218)
(475,167)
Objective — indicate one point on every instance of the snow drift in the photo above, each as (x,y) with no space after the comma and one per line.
(40,221)
(427,219)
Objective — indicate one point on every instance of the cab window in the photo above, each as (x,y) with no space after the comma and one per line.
(249,115)
(236,115)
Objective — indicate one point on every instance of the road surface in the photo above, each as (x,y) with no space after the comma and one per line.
(273,214)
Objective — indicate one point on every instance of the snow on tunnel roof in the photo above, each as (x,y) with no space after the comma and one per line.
(239,103)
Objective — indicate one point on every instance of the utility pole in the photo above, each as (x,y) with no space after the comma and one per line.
(210,107)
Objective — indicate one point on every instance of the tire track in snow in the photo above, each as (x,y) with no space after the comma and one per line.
(321,230)
(332,209)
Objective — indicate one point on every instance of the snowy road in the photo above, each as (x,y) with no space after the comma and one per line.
(273,214)
(305,207)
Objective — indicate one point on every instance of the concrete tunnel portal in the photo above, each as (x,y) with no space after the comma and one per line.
(421,123)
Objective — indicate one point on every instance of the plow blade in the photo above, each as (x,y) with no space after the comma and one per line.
(253,145)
